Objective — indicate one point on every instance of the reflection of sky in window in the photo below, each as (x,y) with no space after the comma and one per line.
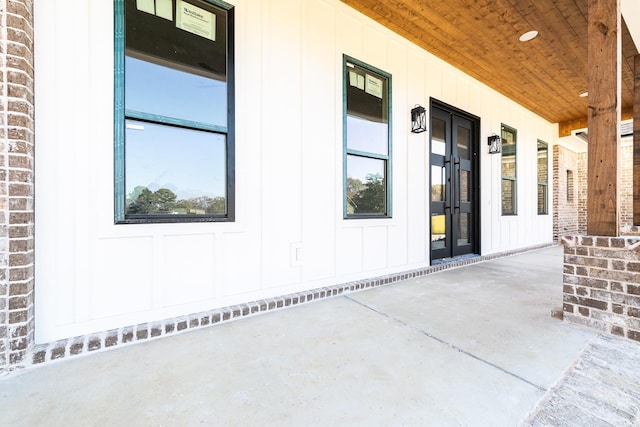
(188,162)
(367,136)
(168,92)
(359,167)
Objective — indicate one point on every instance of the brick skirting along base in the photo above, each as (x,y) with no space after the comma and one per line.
(92,343)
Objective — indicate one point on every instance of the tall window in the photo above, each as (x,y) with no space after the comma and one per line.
(509,171)
(569,186)
(174,145)
(367,130)
(543,177)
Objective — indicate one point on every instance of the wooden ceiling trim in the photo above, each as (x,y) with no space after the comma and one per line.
(567,128)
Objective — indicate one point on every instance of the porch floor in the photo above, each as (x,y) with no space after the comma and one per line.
(474,345)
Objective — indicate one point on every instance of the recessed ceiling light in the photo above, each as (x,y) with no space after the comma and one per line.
(584,94)
(529,35)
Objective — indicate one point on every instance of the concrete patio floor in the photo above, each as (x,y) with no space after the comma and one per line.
(472,346)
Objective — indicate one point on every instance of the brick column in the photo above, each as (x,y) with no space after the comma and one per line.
(16,182)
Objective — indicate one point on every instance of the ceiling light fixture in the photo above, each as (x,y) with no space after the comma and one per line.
(529,35)
(584,94)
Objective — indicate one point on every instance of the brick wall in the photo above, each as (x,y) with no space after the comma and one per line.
(601,284)
(568,203)
(16,181)
(581,188)
(626,182)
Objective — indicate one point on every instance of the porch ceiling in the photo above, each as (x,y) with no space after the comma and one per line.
(480,37)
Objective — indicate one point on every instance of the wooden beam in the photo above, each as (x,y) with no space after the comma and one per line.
(604,113)
(636,141)
(565,128)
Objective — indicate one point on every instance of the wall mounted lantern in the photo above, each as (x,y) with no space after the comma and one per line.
(418,119)
(495,144)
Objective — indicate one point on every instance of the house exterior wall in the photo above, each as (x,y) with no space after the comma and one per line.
(16,181)
(289,235)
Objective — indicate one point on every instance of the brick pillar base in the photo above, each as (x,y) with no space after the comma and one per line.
(601,285)
(16,182)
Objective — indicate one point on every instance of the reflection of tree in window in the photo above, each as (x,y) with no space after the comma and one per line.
(164,201)
(368,197)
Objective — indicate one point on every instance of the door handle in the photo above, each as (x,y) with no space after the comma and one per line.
(449,185)
(455,176)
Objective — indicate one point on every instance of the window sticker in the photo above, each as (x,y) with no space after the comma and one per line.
(164,9)
(356,80)
(146,6)
(374,86)
(195,20)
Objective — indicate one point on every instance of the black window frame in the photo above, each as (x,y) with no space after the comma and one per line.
(507,150)
(347,64)
(121,116)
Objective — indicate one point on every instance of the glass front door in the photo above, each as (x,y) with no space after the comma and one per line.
(453,158)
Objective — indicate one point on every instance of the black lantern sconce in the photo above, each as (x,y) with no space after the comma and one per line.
(495,144)
(418,119)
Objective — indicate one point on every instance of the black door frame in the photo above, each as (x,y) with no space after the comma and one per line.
(475,171)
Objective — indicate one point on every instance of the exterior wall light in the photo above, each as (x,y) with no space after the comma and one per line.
(495,144)
(418,119)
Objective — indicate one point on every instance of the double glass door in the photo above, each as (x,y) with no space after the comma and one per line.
(453,157)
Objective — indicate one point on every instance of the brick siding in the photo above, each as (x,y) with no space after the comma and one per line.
(626,183)
(601,283)
(581,188)
(567,208)
(16,181)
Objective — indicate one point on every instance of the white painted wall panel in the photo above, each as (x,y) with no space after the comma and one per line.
(189,268)
(376,248)
(321,141)
(234,250)
(349,252)
(289,233)
(282,132)
(122,282)
(417,174)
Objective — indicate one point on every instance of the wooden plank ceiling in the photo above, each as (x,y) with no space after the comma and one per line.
(481,38)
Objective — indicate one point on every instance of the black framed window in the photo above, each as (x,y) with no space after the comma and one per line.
(509,171)
(569,186)
(543,178)
(174,111)
(367,141)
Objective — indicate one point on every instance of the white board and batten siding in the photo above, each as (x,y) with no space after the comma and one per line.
(289,234)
